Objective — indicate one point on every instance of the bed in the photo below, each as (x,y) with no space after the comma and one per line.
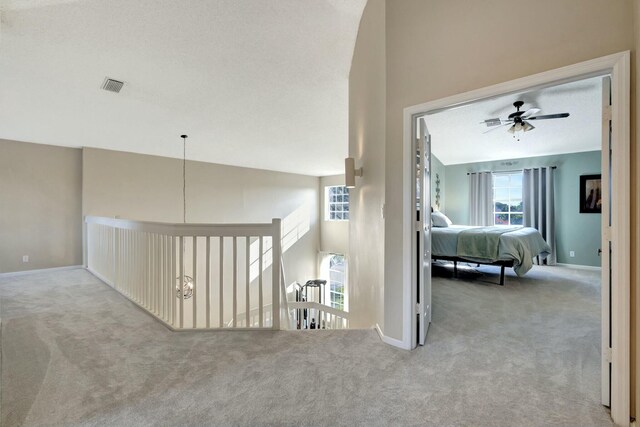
(504,246)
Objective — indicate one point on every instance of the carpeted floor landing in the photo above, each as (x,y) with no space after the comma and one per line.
(74,352)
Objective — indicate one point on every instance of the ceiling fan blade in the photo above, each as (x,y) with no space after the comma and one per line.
(491,122)
(495,122)
(549,116)
(498,127)
(530,112)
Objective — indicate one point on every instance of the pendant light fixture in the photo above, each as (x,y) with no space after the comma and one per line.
(184,177)
(187,285)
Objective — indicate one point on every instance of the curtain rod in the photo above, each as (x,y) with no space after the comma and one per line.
(515,170)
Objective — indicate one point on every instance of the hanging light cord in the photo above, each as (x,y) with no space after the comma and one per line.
(184,178)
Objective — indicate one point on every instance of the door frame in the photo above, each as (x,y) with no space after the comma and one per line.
(618,67)
(422,314)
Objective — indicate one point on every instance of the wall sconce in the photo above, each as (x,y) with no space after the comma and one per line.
(350,172)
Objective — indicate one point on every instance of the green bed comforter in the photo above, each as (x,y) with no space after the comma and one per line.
(482,242)
(520,244)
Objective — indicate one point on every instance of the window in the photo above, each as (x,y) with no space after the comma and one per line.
(333,268)
(507,198)
(337,270)
(337,203)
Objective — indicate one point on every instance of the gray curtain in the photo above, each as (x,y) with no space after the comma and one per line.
(481,198)
(539,205)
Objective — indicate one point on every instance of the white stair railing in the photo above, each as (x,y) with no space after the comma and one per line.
(310,315)
(192,276)
(322,316)
(254,315)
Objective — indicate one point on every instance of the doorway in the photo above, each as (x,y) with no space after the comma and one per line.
(615,176)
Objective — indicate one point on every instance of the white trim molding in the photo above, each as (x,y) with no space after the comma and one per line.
(41,270)
(579,267)
(391,341)
(618,67)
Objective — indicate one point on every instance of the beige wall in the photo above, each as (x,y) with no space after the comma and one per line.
(436,49)
(40,206)
(149,188)
(334,235)
(367,98)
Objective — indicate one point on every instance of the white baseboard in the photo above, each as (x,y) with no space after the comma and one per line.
(42,270)
(391,341)
(101,278)
(580,267)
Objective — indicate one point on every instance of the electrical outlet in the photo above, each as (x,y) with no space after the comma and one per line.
(25,258)
(572,254)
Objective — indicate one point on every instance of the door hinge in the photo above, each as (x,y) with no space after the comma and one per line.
(606,112)
(418,309)
(608,354)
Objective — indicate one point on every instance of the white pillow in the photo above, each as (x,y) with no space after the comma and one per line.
(440,220)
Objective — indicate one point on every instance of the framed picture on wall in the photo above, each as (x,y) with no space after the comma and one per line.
(591,193)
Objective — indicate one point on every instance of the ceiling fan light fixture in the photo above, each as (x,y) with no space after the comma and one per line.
(518,121)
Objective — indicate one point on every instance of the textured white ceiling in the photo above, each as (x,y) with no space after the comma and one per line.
(457,134)
(254,83)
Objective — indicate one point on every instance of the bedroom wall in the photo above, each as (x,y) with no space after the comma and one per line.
(436,49)
(367,98)
(334,235)
(40,206)
(575,231)
(143,187)
(437,171)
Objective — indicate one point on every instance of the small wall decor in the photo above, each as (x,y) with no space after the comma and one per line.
(591,193)
(438,191)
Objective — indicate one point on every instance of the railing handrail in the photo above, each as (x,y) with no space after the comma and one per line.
(154,263)
(180,229)
(295,305)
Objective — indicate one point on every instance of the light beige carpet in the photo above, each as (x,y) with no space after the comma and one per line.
(74,352)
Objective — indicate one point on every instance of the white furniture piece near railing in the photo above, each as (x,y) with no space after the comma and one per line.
(192,276)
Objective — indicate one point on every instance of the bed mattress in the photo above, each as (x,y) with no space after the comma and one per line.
(520,246)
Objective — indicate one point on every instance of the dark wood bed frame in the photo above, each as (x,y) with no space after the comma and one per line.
(501,264)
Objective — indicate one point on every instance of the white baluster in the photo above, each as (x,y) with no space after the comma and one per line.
(248,279)
(235,281)
(208,282)
(260,275)
(221,302)
(181,293)
(195,273)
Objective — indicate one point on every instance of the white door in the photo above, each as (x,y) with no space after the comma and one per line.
(606,241)
(422,232)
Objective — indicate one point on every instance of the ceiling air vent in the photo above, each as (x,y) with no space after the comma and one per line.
(112,85)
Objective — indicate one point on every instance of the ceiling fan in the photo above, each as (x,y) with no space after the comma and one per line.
(519,120)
